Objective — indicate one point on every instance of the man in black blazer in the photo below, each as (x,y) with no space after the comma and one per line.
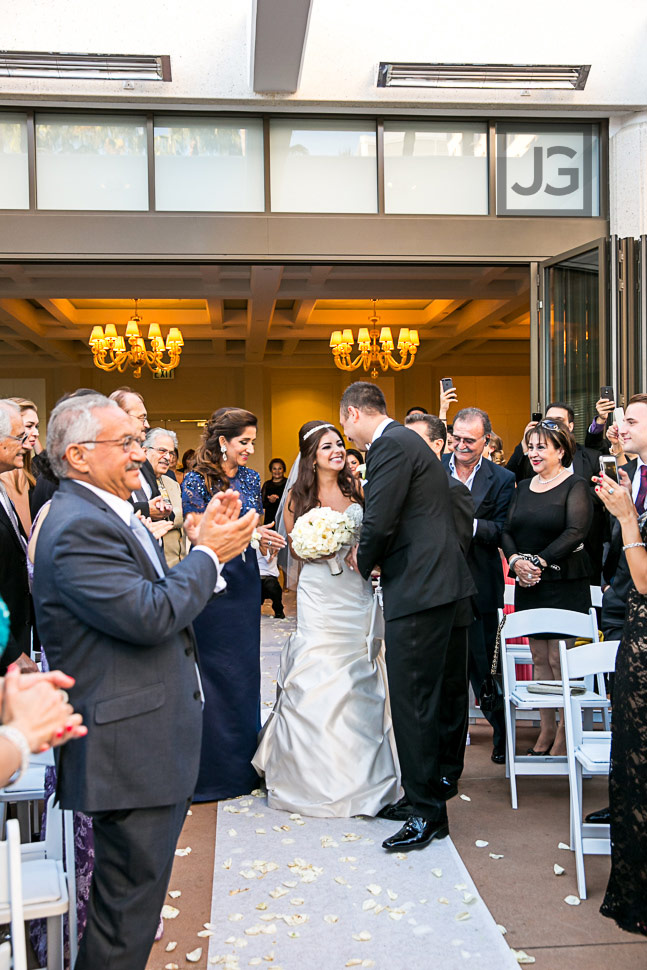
(142,498)
(408,531)
(492,488)
(454,709)
(111,613)
(14,583)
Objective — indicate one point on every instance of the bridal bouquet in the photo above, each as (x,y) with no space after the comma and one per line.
(323,532)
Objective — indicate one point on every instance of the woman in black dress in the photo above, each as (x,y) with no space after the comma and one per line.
(548,520)
(272,490)
(626,896)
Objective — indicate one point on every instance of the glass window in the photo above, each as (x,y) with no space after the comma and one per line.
(91,162)
(323,166)
(548,170)
(209,165)
(435,167)
(14,169)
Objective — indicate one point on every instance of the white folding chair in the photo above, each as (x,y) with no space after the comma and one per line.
(596,596)
(519,698)
(5,957)
(32,888)
(587,751)
(28,790)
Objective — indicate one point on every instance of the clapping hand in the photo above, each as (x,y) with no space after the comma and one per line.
(37,706)
(157,529)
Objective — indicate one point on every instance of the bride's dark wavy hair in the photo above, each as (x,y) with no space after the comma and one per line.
(304,495)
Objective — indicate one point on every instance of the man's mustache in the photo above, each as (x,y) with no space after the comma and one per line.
(134,466)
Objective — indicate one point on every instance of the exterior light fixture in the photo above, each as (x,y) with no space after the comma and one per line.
(86,67)
(527,77)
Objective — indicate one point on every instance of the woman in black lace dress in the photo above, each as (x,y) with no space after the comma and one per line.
(626,896)
(549,519)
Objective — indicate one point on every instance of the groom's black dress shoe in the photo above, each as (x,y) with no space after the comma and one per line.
(416,833)
(498,756)
(449,787)
(399,812)
(601,817)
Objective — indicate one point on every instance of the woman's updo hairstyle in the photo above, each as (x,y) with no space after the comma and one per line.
(555,431)
(303,496)
(227,423)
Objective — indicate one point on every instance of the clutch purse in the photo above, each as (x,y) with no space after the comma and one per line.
(375,638)
(491,693)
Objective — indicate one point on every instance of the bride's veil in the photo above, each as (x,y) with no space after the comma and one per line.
(290,566)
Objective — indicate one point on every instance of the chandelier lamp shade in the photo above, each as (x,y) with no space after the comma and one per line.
(375,346)
(109,350)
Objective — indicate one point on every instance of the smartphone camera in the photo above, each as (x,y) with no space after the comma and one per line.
(536,416)
(609,466)
(447,384)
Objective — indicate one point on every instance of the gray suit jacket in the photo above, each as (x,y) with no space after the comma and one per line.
(105,618)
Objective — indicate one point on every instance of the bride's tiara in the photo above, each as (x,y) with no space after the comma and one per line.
(317,428)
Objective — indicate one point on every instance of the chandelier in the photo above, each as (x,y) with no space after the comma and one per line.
(109,349)
(375,347)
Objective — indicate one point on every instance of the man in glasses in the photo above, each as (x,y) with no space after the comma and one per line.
(14,584)
(146,499)
(112,614)
(492,488)
(160,446)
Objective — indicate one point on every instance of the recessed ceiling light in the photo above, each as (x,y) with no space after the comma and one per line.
(392,74)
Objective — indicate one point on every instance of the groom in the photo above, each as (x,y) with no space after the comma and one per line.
(408,531)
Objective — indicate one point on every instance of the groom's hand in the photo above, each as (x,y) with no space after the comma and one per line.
(351,559)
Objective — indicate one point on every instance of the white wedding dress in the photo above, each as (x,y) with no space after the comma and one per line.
(327,749)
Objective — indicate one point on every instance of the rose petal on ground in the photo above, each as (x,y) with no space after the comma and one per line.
(232,832)
(362,937)
(353,963)
(572,900)
(297,901)
(171,966)
(289,883)
(396,914)
(466,798)
(331,918)
(258,793)
(374,889)
(443,900)
(481,843)
(278,892)
(462,916)
(437,873)
(522,957)
(341,880)
(260,832)
(269,930)
(205,933)
(169,912)
(391,894)
(368,904)
(170,946)
(401,855)
(182,852)
(469,898)
(559,870)
(261,906)
(235,917)
(562,845)
(194,955)
(175,893)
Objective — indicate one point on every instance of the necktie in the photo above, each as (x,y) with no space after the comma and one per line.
(11,512)
(145,540)
(642,491)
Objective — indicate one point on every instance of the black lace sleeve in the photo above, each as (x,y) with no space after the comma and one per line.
(579,514)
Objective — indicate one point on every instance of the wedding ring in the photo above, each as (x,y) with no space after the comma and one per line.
(611,490)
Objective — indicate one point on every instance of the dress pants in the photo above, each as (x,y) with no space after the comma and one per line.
(271,590)
(416,650)
(482,639)
(454,706)
(133,857)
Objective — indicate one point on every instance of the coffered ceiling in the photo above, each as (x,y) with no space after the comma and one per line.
(280,315)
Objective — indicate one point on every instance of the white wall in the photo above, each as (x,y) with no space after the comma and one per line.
(209,44)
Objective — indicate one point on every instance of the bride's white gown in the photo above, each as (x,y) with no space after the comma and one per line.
(327,749)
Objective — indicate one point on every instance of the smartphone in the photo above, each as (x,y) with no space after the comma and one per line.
(536,416)
(609,466)
(607,392)
(618,415)
(447,384)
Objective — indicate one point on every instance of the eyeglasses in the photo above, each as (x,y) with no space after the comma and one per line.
(127,444)
(550,424)
(138,417)
(466,441)
(22,438)
(164,451)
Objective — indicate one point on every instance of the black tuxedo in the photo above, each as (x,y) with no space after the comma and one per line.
(409,532)
(617,573)
(106,618)
(14,590)
(492,491)
(139,499)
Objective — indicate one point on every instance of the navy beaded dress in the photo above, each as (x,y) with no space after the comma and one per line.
(228,632)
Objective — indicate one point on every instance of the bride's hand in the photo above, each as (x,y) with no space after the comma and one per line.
(351,559)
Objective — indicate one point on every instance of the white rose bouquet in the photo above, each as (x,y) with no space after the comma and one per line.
(323,532)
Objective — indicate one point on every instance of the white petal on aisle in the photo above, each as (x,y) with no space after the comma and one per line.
(291,891)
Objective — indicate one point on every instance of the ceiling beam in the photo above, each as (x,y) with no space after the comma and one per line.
(264,283)
(471,320)
(289,347)
(27,322)
(279,30)
(303,311)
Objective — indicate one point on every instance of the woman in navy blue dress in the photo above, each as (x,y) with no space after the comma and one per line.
(229,628)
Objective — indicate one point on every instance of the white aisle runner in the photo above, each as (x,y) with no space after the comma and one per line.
(292,892)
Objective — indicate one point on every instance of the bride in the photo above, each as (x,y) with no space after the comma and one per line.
(327,749)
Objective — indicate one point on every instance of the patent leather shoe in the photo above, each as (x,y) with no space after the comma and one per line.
(601,817)
(399,812)
(416,833)
(498,756)
(449,787)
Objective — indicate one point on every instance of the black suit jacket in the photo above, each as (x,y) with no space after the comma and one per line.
(138,499)
(616,572)
(125,635)
(492,492)
(14,589)
(408,526)
(463,513)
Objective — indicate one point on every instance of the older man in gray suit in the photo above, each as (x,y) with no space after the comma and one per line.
(114,617)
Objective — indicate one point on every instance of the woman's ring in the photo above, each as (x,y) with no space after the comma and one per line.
(611,490)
